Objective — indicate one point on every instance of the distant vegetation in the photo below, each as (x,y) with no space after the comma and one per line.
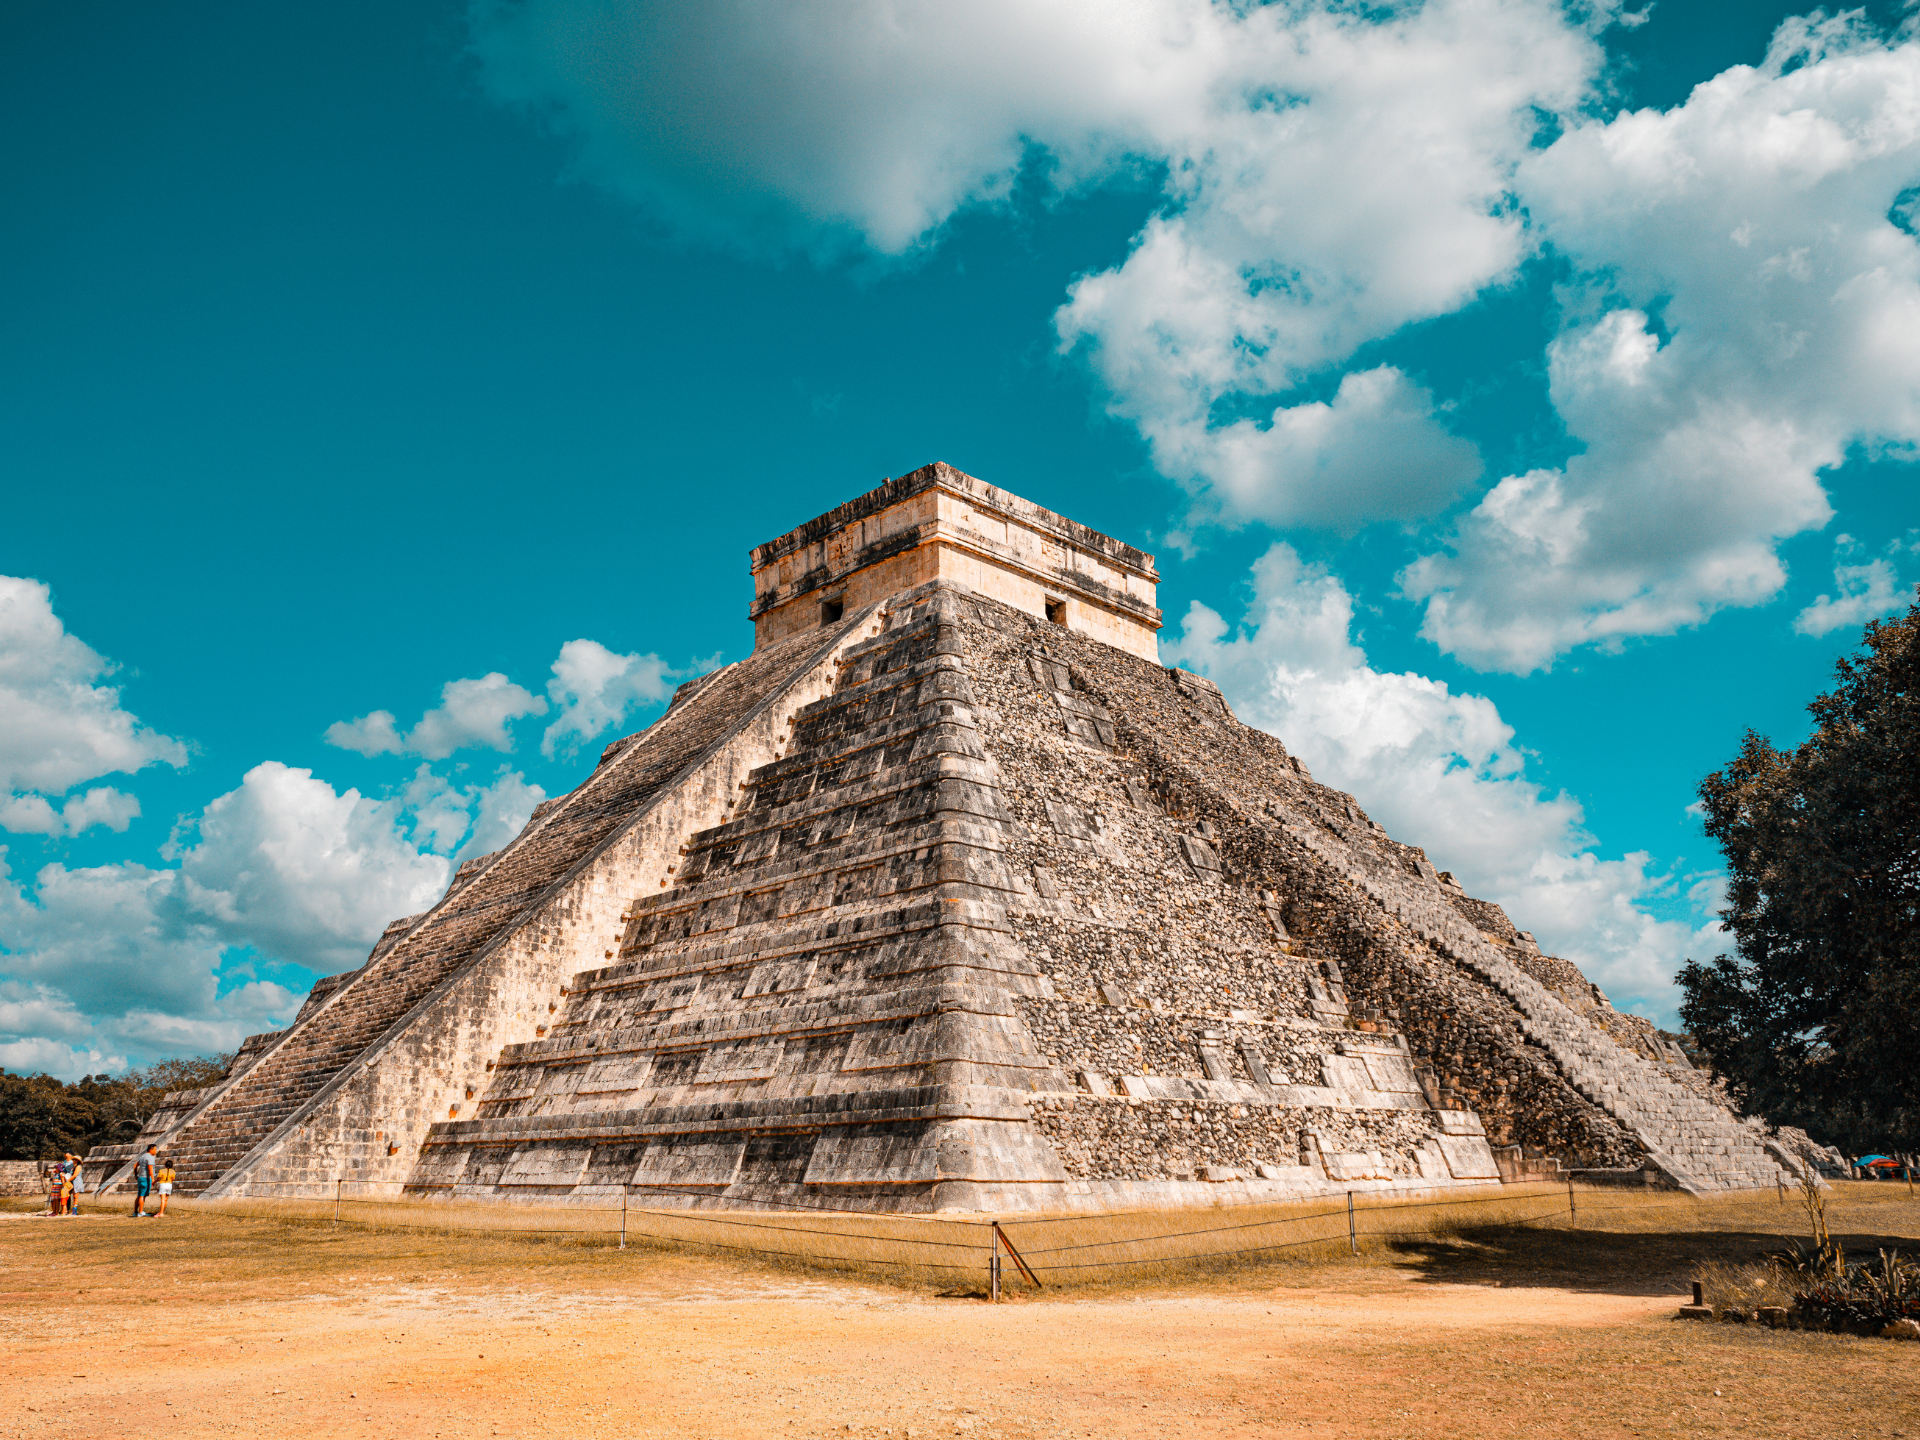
(42,1118)
(1815,1021)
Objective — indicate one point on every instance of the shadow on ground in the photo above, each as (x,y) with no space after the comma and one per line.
(1606,1262)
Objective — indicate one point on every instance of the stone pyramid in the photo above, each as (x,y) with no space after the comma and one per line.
(950,897)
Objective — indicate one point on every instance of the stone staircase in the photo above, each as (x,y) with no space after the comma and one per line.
(487,899)
(290,1075)
(1699,1145)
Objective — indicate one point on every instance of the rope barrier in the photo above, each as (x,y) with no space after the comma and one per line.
(698,1218)
(668,1216)
(983,1238)
(784,1206)
(1183,1234)
(1261,1249)
(1412,1204)
(669,1227)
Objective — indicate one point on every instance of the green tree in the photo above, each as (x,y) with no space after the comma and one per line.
(1815,1020)
(29,1111)
(42,1118)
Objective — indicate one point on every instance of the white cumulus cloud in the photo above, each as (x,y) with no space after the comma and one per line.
(593,689)
(286,864)
(281,875)
(1440,770)
(35,1055)
(128,959)
(484,817)
(62,727)
(501,811)
(1375,449)
(815,127)
(1863,589)
(472,714)
(100,805)
(1746,307)
(1343,174)
(108,939)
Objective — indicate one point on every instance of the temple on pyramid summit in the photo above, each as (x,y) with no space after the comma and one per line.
(950,897)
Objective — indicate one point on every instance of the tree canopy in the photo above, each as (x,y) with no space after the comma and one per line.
(1815,1020)
(42,1118)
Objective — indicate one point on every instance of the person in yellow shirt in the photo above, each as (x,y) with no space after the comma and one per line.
(163,1182)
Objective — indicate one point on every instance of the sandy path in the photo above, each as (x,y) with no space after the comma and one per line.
(752,1360)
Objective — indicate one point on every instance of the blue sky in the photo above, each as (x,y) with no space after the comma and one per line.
(1501,398)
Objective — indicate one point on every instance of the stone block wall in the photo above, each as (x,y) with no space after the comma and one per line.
(19,1178)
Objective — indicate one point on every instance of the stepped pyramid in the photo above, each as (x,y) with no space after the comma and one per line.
(950,897)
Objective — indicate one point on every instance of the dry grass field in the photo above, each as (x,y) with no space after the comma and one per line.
(1482,1320)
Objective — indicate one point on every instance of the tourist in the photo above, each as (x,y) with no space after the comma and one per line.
(163,1182)
(52,1177)
(69,1184)
(143,1181)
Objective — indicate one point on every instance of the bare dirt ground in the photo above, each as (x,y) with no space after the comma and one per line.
(217,1325)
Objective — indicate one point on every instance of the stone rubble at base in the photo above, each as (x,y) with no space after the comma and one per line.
(946,904)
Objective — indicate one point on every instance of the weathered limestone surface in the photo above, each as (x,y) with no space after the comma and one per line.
(952,898)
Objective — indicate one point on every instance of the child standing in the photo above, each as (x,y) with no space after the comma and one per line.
(163,1182)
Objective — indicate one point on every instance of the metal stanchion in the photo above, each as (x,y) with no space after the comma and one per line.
(623,1217)
(336,1199)
(1353,1240)
(993,1271)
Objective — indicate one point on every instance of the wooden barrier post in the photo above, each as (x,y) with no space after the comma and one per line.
(1353,1240)
(1000,1241)
(1573,1210)
(623,1217)
(336,1199)
(993,1269)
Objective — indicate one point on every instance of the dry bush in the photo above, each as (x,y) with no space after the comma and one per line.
(1742,1286)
